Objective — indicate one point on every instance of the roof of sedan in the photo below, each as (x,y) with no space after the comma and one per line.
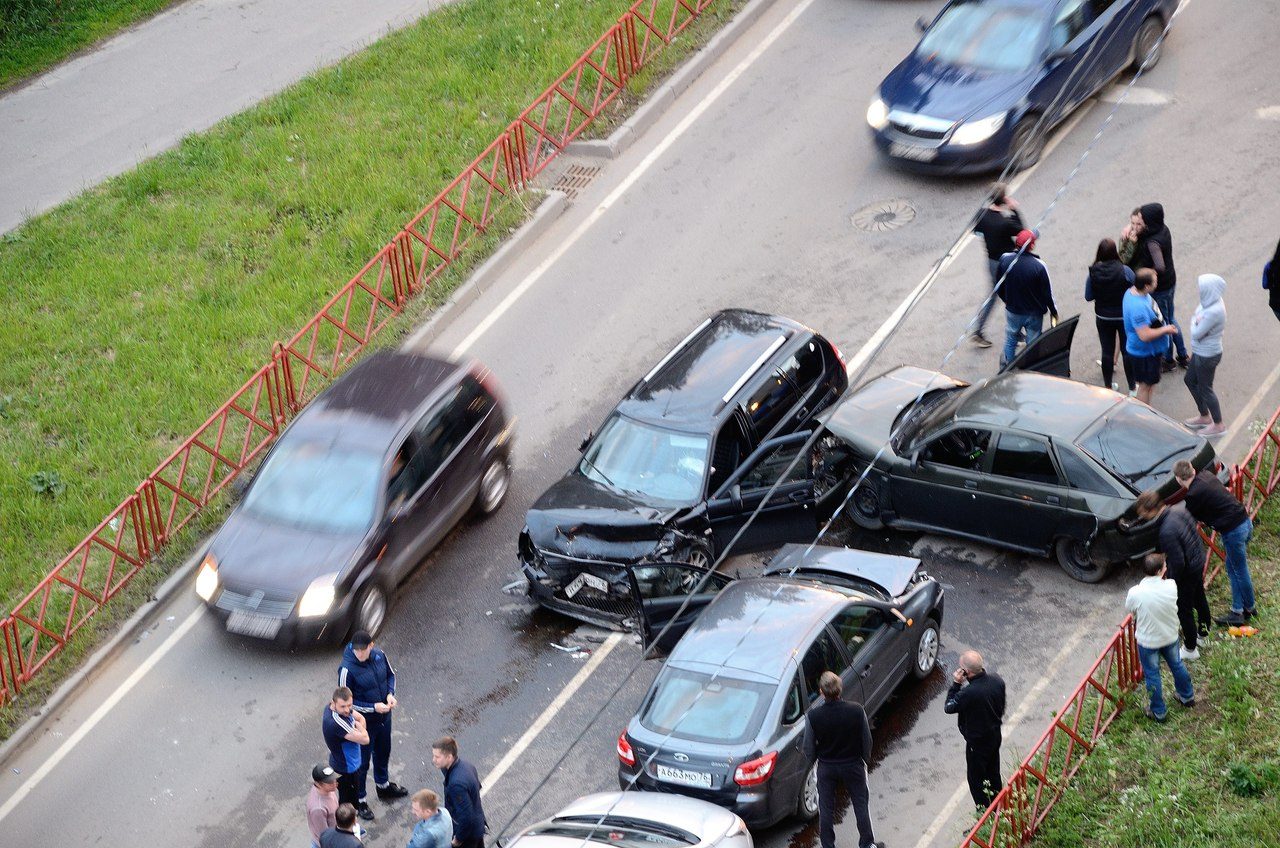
(1038,403)
(755,625)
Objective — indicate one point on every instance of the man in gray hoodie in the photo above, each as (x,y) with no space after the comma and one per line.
(1206,352)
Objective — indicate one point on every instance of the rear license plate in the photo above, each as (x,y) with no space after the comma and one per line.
(252,624)
(585,579)
(909,151)
(688,778)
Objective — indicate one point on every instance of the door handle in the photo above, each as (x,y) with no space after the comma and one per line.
(1053,499)
(971,484)
(799,496)
(862,675)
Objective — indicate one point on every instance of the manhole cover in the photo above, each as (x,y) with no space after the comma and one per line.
(884,215)
(574,179)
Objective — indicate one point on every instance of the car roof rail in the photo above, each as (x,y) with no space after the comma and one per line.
(655,369)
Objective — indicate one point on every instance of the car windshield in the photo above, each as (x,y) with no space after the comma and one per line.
(915,422)
(316,486)
(1138,444)
(691,705)
(614,830)
(660,465)
(984,36)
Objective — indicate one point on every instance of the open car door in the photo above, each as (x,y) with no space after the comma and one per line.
(671,595)
(1050,353)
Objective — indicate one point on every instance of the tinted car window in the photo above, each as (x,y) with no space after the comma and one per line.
(857,625)
(963,447)
(662,465)
(474,401)
(311,485)
(772,466)
(1070,21)
(731,448)
(981,35)
(1138,444)
(793,707)
(823,655)
(1081,475)
(804,367)
(1024,458)
(409,472)
(769,404)
(689,705)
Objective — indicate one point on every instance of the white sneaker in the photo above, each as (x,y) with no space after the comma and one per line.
(1193,654)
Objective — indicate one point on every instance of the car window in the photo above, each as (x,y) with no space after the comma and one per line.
(772,467)
(823,655)
(793,706)
(984,36)
(770,403)
(1080,474)
(475,402)
(660,465)
(732,447)
(858,625)
(692,705)
(1070,21)
(804,367)
(439,432)
(963,447)
(315,485)
(1024,458)
(1138,444)
(617,831)
(409,473)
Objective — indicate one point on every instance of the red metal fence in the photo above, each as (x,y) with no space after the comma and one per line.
(238,433)
(1017,812)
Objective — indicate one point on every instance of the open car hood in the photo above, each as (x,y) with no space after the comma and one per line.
(847,567)
(865,416)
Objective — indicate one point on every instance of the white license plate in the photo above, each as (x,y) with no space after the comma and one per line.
(252,624)
(585,579)
(909,151)
(688,778)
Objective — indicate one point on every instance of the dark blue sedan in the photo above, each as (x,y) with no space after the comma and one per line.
(991,78)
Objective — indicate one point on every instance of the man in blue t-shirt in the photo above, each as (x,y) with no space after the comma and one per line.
(344,733)
(1145,332)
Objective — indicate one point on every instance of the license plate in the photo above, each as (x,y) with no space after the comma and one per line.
(252,624)
(688,778)
(909,151)
(585,579)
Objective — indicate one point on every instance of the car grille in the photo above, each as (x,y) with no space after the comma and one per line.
(919,127)
(272,604)
(622,608)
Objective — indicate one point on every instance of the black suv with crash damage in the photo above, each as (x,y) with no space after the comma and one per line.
(711,434)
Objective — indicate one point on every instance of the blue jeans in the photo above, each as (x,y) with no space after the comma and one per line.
(1235,544)
(1164,300)
(1014,324)
(1150,659)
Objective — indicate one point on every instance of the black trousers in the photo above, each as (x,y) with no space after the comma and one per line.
(1111,336)
(1192,604)
(348,789)
(854,777)
(982,756)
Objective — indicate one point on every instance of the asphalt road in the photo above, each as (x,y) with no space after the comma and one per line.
(744,193)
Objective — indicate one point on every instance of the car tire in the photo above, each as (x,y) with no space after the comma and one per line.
(1073,556)
(700,554)
(927,643)
(864,507)
(1147,41)
(807,801)
(1028,142)
(494,483)
(370,611)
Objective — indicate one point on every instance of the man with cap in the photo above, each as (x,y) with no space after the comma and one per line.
(367,672)
(1026,291)
(322,802)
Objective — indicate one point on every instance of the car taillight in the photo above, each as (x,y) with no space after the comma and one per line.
(755,771)
(625,753)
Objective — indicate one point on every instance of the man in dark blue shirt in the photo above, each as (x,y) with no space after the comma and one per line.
(461,793)
(344,733)
(1026,291)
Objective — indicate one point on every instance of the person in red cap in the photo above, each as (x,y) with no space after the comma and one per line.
(1026,291)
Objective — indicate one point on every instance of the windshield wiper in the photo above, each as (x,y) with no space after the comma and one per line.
(1138,475)
(597,470)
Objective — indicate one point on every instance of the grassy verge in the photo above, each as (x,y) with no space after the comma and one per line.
(35,35)
(145,302)
(1208,776)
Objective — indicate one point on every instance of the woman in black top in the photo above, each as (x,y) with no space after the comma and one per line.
(1271,282)
(1105,286)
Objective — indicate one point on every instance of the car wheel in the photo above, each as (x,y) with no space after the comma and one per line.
(494,483)
(1147,43)
(864,509)
(1074,557)
(1028,142)
(700,555)
(371,610)
(807,803)
(926,650)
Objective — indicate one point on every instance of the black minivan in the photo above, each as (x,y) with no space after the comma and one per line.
(354,494)
(683,462)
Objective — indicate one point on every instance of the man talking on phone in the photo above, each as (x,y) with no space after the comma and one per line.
(976,697)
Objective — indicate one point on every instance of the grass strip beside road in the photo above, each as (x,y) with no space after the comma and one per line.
(1209,775)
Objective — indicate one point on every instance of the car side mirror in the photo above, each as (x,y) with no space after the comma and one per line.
(922,24)
(582,446)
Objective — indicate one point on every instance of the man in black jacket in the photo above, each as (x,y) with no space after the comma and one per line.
(367,672)
(1179,541)
(838,735)
(1027,293)
(461,793)
(998,225)
(976,697)
(1210,503)
(1155,251)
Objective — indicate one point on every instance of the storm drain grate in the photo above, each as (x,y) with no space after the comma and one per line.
(884,215)
(575,179)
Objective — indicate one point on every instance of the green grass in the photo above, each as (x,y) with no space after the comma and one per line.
(1209,776)
(35,35)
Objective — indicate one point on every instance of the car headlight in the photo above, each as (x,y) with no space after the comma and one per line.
(207,578)
(878,114)
(318,599)
(973,132)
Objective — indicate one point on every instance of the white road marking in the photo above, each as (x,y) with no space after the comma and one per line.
(1137,96)
(549,713)
(99,714)
(1268,113)
(1024,707)
(630,179)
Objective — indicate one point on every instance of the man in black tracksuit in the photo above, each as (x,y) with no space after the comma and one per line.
(976,697)
(838,735)
(1184,556)
(367,672)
